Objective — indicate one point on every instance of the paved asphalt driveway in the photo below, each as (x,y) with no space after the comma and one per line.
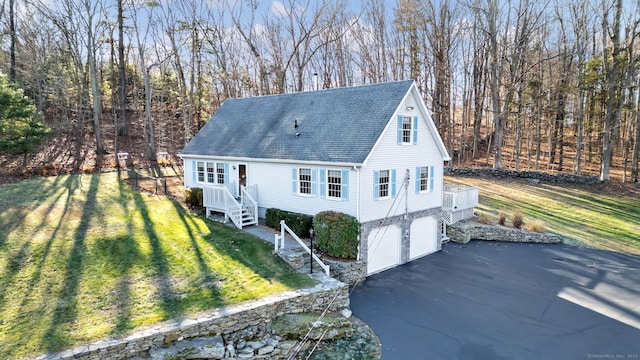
(486,300)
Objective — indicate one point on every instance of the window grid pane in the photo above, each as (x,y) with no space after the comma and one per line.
(384,183)
(334,183)
(406,130)
(200,171)
(210,173)
(424,176)
(305,181)
(220,172)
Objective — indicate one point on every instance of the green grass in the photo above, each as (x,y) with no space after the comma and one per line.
(83,257)
(582,213)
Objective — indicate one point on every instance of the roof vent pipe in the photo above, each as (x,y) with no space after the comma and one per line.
(315,81)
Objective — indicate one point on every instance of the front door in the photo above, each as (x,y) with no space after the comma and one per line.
(242,176)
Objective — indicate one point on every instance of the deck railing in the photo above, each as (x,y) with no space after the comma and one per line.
(219,198)
(458,203)
(459,197)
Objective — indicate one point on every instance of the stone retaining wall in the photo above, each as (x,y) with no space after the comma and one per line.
(350,272)
(465,231)
(226,322)
(533,175)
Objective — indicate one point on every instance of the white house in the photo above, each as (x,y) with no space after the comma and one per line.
(369,151)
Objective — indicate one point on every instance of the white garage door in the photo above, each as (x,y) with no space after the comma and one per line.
(383,248)
(424,237)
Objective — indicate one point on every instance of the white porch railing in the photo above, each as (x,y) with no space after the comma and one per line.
(220,199)
(280,239)
(247,200)
(458,203)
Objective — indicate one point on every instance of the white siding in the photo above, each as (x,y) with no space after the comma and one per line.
(275,190)
(388,155)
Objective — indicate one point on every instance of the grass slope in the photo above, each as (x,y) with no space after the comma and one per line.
(83,257)
(583,213)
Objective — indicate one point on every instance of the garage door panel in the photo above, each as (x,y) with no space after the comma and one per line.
(383,248)
(424,239)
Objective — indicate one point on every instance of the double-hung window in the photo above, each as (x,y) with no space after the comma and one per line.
(304,181)
(200,171)
(210,172)
(424,179)
(406,130)
(383,179)
(220,173)
(334,184)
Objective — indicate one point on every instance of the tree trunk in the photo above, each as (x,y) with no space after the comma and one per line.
(95,85)
(123,126)
(612,116)
(12,45)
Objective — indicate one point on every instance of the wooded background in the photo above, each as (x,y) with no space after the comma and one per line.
(526,85)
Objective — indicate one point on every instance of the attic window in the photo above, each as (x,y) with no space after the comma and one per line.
(406,129)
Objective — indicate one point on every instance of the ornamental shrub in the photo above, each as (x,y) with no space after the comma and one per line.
(337,234)
(516,219)
(298,223)
(193,197)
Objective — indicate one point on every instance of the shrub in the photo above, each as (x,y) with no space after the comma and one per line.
(536,226)
(516,220)
(193,197)
(484,219)
(337,234)
(298,223)
(501,218)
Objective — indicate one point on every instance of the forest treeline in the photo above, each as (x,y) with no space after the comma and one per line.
(522,84)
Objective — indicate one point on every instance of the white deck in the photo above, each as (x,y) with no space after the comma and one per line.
(458,203)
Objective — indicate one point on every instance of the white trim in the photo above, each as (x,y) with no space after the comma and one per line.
(300,193)
(279,161)
(329,197)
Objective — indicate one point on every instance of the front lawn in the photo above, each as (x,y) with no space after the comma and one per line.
(591,215)
(83,257)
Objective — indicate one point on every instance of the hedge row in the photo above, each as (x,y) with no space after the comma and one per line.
(298,223)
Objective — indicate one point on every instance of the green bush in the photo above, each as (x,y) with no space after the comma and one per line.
(337,234)
(193,197)
(298,223)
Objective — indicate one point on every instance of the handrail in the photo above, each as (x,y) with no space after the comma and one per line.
(254,204)
(284,227)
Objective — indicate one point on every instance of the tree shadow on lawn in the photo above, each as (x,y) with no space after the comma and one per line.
(254,253)
(65,311)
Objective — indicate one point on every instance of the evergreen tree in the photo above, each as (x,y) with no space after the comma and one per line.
(21,127)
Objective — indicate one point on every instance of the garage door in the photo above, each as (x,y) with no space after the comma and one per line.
(383,248)
(424,237)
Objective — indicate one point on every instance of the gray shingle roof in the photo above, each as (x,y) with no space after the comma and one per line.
(334,125)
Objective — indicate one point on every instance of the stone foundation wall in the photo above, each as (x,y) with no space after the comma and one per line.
(465,231)
(230,323)
(533,175)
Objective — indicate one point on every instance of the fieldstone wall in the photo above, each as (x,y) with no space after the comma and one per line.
(231,326)
(465,231)
(532,175)
(350,272)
